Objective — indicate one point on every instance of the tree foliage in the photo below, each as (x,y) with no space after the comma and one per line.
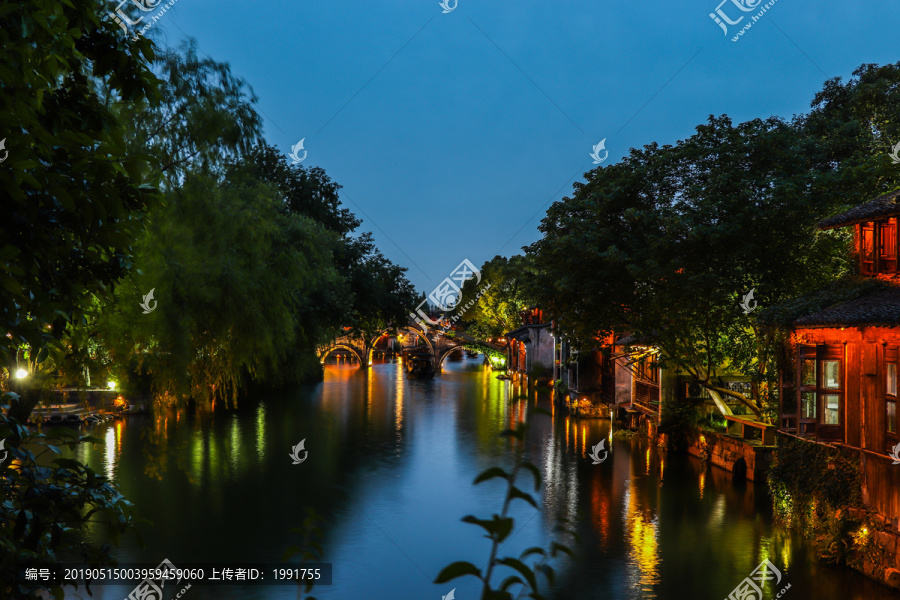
(665,244)
(73,193)
(239,285)
(498,309)
(205,116)
(46,504)
(378,294)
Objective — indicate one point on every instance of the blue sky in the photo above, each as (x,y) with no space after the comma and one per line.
(452,133)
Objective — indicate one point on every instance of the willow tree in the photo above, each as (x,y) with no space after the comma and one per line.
(205,116)
(237,286)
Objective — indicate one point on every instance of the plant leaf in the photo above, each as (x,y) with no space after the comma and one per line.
(522,568)
(515,492)
(457,569)
(490,474)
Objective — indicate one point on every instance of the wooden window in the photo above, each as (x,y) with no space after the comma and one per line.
(648,370)
(821,390)
(788,397)
(867,248)
(887,244)
(831,384)
(890,390)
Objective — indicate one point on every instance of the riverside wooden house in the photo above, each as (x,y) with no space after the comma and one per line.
(841,386)
(531,346)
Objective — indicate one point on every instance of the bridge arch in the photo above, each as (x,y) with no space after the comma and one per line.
(448,352)
(354,351)
(404,330)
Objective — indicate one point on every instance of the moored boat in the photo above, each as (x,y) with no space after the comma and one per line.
(419,367)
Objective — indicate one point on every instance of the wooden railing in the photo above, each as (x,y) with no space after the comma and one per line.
(646,395)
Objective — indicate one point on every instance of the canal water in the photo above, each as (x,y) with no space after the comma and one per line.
(390,468)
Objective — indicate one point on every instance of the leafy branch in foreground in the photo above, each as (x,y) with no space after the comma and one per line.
(500,526)
(45,510)
(310,548)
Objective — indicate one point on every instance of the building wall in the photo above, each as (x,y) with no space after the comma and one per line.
(623,382)
(864,418)
(541,348)
(535,348)
(864,414)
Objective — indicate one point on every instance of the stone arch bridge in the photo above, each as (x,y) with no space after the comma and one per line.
(434,343)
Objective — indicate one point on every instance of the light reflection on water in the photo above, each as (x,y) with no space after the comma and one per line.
(391,464)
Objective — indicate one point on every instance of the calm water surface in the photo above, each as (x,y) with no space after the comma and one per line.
(390,467)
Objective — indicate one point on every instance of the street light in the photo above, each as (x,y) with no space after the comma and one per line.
(21,374)
(111,385)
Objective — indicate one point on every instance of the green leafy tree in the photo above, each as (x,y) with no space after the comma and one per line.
(73,193)
(205,116)
(497,310)
(665,244)
(239,285)
(378,292)
(849,134)
(307,191)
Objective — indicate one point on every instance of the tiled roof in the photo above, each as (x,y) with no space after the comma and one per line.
(881,307)
(524,332)
(887,205)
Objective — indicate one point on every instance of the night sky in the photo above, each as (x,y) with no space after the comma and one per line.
(452,133)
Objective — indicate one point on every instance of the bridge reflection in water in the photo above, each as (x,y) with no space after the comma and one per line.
(391,464)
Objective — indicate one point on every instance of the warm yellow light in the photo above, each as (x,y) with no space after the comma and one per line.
(111,385)
(21,374)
